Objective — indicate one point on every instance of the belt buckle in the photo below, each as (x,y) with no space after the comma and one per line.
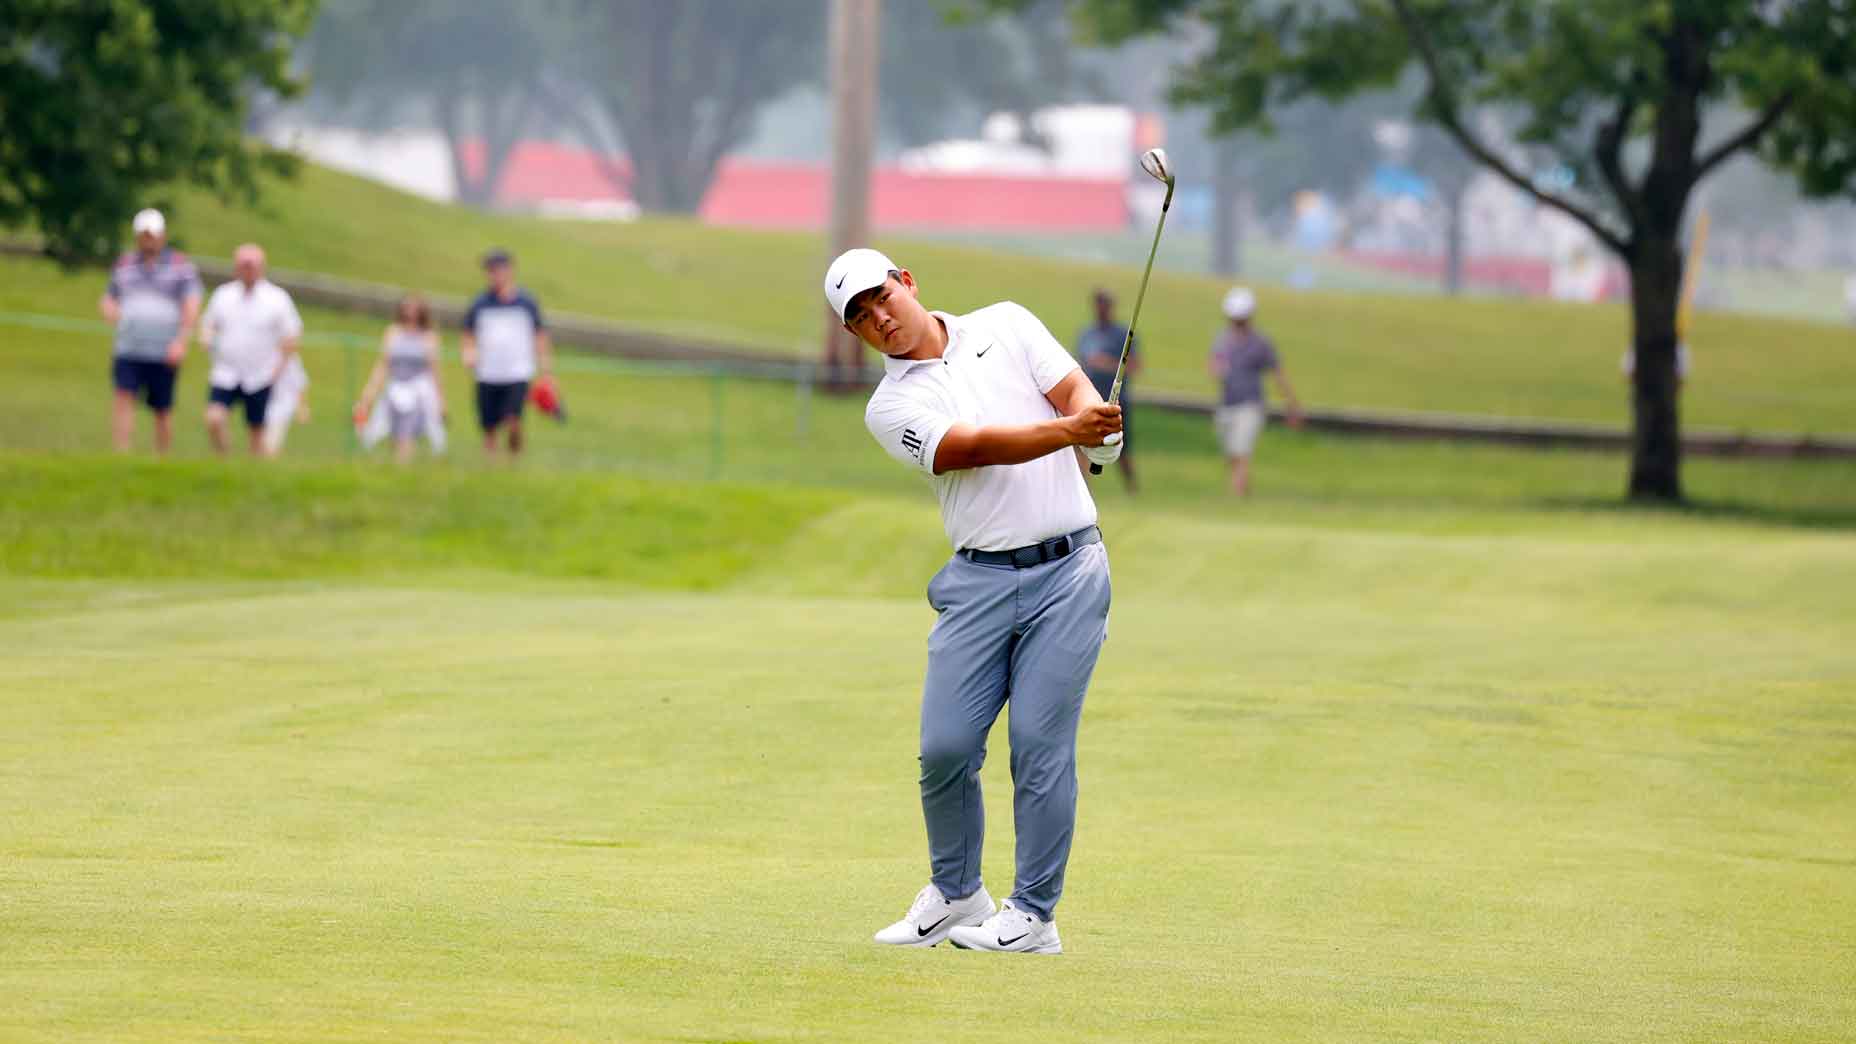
(1058,547)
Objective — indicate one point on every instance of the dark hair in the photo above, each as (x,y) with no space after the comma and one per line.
(497,256)
(421,311)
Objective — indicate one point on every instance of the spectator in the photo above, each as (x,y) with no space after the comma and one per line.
(153,301)
(504,338)
(413,403)
(1240,357)
(1098,348)
(252,328)
(289,404)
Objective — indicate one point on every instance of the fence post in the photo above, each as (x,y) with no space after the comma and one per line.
(802,381)
(715,429)
(349,392)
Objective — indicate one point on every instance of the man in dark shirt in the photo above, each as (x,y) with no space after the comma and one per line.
(505,342)
(1240,357)
(1098,348)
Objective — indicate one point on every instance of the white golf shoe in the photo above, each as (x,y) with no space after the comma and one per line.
(931,916)
(1011,930)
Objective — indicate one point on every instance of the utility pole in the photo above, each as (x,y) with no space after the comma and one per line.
(1227,209)
(855,42)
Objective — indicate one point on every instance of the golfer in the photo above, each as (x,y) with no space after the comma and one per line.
(988,406)
(504,338)
(252,328)
(1240,357)
(1098,348)
(153,301)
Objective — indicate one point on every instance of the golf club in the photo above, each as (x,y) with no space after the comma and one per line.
(1153,161)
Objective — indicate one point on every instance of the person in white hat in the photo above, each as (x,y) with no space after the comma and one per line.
(1240,357)
(153,301)
(991,410)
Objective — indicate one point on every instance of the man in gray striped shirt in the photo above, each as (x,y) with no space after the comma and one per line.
(153,301)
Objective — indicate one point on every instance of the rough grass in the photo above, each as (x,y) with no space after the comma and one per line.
(1489,356)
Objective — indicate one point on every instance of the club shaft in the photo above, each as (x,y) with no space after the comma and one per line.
(1127,342)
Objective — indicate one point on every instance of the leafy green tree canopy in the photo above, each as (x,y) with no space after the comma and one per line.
(103,102)
(1615,95)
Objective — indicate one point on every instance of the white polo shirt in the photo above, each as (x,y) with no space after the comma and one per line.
(247,330)
(1000,361)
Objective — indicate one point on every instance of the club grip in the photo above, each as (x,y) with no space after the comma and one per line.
(1095,469)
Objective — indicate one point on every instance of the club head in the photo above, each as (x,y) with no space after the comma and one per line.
(1154,162)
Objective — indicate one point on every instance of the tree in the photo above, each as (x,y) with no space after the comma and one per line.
(678,84)
(1614,92)
(1017,63)
(104,101)
(470,68)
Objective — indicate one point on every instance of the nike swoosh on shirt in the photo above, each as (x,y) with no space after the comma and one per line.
(924,931)
(981,354)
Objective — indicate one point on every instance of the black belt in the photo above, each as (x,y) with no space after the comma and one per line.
(1038,553)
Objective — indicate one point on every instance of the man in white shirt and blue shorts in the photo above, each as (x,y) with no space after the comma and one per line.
(991,409)
(252,328)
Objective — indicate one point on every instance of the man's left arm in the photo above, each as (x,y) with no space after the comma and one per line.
(1292,407)
(189,318)
(292,338)
(544,343)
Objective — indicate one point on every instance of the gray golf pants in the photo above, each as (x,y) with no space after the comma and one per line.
(1029,636)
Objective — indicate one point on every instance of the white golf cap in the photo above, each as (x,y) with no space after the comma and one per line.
(150,221)
(854,272)
(1240,303)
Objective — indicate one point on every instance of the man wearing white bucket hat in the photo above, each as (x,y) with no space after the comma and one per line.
(1240,357)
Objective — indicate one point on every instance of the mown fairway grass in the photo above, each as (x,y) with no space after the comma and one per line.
(397,761)
(760,290)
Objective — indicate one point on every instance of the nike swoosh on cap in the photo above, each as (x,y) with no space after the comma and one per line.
(841,280)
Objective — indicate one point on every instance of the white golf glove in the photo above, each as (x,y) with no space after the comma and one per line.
(1107,453)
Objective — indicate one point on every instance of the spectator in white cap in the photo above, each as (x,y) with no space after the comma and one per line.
(252,328)
(1240,357)
(153,301)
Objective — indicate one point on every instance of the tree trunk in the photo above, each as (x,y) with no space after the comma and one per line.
(1454,203)
(1656,433)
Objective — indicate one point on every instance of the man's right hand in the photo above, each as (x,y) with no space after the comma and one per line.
(1093,424)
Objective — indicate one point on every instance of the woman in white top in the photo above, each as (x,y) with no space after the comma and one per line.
(403,397)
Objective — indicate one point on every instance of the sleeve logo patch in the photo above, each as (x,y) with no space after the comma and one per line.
(912,442)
